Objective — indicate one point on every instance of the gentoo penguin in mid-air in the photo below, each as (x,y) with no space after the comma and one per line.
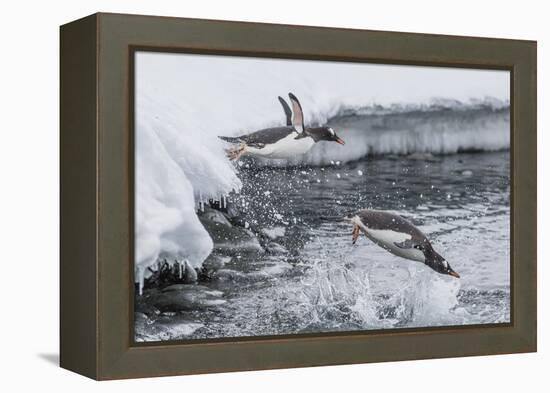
(400,237)
(282,142)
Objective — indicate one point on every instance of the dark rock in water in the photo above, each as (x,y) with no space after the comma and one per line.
(215,262)
(229,231)
(239,221)
(214,216)
(230,275)
(184,287)
(232,210)
(231,240)
(140,317)
(211,265)
(181,297)
(275,248)
(140,323)
(169,328)
(141,307)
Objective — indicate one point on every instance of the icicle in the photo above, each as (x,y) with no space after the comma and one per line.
(201,203)
(141,279)
(190,273)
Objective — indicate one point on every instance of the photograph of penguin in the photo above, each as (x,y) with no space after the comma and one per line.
(400,237)
(282,142)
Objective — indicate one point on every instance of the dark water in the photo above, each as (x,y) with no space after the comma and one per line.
(318,281)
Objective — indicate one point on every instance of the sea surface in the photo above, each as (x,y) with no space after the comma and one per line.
(317,281)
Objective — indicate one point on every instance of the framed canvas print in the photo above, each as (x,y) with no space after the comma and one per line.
(240,196)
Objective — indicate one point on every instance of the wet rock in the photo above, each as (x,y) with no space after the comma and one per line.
(215,262)
(230,275)
(214,216)
(140,317)
(232,211)
(239,221)
(181,297)
(275,248)
(172,328)
(184,287)
(211,265)
(144,308)
(231,240)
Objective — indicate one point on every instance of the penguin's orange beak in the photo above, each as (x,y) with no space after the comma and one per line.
(339,140)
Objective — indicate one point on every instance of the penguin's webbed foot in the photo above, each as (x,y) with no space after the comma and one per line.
(235,153)
(355,234)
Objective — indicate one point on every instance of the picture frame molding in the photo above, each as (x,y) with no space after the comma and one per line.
(97,172)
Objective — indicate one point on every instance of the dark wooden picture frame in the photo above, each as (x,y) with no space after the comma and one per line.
(97,195)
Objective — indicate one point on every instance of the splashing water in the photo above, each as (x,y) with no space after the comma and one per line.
(326,284)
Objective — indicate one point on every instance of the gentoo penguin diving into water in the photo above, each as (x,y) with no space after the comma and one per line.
(282,142)
(398,236)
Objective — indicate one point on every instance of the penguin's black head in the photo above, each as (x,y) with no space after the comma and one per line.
(439,264)
(324,134)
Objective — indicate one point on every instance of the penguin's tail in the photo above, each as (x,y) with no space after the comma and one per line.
(230,139)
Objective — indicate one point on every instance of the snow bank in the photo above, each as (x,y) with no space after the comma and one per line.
(178,164)
(430,129)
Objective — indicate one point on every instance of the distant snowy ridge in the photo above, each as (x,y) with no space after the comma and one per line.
(433,105)
(408,129)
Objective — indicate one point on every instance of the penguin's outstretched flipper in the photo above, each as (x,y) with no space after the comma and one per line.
(406,244)
(298,114)
(288,112)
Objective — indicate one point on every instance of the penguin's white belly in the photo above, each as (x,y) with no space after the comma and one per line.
(287,147)
(387,238)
